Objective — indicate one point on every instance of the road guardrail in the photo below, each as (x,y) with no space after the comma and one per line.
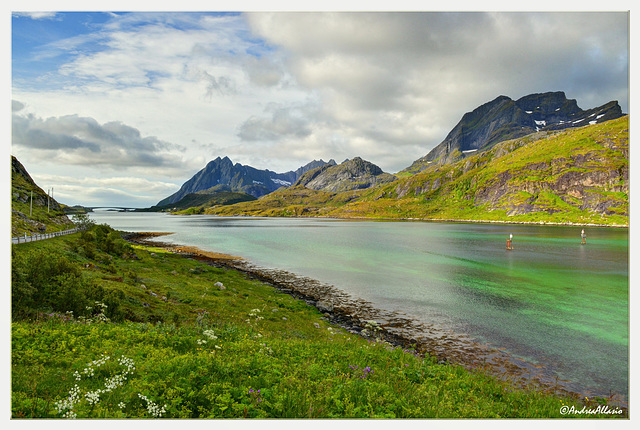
(41,236)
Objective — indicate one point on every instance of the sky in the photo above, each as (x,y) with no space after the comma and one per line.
(120,109)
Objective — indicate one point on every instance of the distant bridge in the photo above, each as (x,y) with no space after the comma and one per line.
(111,207)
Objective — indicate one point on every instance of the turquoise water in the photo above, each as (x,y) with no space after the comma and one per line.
(550,301)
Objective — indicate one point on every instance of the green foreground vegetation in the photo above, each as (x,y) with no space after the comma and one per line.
(102,328)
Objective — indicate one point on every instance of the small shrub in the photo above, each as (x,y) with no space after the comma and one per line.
(44,281)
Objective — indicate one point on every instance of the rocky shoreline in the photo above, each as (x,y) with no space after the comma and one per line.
(362,318)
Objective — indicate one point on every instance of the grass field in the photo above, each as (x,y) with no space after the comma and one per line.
(102,328)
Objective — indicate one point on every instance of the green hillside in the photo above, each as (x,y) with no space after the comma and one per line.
(195,203)
(32,211)
(294,201)
(573,176)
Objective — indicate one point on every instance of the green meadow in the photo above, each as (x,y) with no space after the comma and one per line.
(102,328)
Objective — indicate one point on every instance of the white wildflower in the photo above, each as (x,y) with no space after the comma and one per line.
(210,334)
(152,408)
(65,406)
(93,397)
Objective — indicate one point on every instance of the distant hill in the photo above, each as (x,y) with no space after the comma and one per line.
(222,174)
(32,211)
(503,119)
(352,174)
(196,202)
(577,175)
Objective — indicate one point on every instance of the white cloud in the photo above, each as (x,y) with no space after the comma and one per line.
(276,90)
(280,122)
(264,71)
(36,15)
(110,191)
(75,140)
(401,78)
(16,106)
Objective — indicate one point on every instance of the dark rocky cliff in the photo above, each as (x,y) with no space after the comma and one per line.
(503,119)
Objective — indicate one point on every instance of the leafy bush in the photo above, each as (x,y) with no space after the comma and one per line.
(109,240)
(44,281)
(101,238)
(83,221)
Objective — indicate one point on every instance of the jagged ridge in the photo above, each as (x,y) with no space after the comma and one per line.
(352,174)
(222,174)
(503,119)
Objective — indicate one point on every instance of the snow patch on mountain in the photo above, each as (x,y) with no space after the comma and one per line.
(281,182)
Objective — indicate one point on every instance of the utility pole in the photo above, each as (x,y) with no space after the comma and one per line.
(48,192)
(31,205)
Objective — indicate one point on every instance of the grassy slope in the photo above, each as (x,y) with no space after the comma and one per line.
(460,183)
(52,219)
(273,356)
(451,191)
(295,201)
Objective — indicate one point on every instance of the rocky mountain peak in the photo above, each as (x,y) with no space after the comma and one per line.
(503,119)
(352,174)
(222,174)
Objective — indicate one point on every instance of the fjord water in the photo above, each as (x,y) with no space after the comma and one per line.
(551,301)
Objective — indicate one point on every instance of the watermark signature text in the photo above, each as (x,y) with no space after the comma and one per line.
(601,409)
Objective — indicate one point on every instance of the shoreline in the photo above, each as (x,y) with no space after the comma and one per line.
(443,220)
(395,328)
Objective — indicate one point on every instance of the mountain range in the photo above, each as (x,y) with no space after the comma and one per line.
(479,130)
(578,175)
(222,174)
(563,165)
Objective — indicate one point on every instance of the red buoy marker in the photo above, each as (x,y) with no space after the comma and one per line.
(510,242)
